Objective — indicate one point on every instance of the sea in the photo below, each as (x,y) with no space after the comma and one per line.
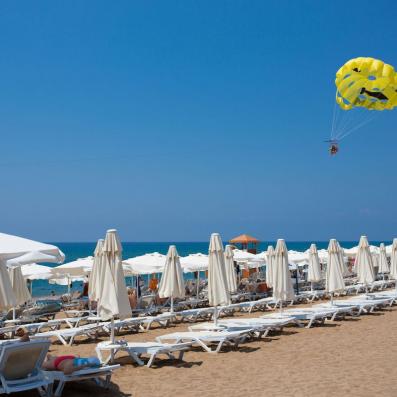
(73,251)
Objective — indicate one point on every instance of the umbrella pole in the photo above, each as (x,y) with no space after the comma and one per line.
(198,284)
(112,339)
(172,304)
(281,307)
(311,287)
(137,291)
(332,298)
(13,313)
(216,316)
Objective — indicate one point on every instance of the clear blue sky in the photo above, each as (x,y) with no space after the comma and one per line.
(169,120)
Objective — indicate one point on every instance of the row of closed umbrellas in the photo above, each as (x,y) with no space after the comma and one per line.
(107,284)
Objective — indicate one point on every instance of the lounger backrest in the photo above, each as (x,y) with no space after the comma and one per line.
(22,359)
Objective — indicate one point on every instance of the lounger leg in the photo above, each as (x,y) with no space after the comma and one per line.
(135,357)
(151,359)
(218,348)
(180,356)
(59,389)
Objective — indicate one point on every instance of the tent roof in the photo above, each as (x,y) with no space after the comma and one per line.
(243,239)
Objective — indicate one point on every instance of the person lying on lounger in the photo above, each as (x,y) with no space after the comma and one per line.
(22,334)
(69,364)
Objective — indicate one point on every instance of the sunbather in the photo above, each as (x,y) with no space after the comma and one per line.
(22,334)
(69,364)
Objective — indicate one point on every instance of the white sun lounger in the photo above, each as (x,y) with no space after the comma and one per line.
(392,295)
(339,311)
(67,336)
(137,349)
(128,324)
(20,367)
(310,296)
(192,315)
(162,320)
(101,376)
(205,338)
(361,305)
(258,327)
(260,304)
(311,315)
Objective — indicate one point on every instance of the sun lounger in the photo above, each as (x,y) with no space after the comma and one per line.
(309,315)
(392,295)
(137,349)
(20,367)
(67,336)
(362,305)
(101,376)
(206,338)
(193,315)
(258,327)
(162,320)
(339,311)
(310,296)
(78,313)
(128,324)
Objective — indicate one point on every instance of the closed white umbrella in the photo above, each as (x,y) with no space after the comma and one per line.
(172,284)
(334,278)
(314,271)
(383,267)
(282,284)
(231,278)
(363,265)
(393,261)
(343,266)
(269,266)
(7,296)
(94,284)
(113,299)
(19,287)
(218,293)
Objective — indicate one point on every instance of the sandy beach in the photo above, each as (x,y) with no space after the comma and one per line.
(356,356)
